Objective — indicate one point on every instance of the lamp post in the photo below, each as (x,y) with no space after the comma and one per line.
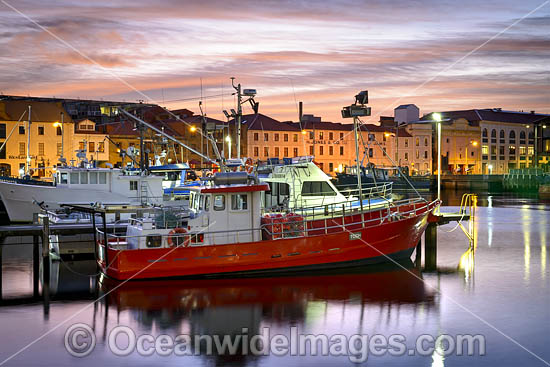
(60,125)
(473,143)
(194,129)
(228,140)
(437,117)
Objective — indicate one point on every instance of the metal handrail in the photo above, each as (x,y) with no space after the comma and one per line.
(305,231)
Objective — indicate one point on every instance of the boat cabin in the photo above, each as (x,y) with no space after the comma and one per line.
(298,183)
(225,212)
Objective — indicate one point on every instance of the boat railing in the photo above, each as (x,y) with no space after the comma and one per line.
(291,225)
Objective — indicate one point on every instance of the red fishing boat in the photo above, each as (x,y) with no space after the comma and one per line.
(228,233)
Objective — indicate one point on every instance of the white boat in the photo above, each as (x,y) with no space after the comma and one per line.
(78,186)
(298,184)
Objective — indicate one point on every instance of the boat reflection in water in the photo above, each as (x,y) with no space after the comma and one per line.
(226,306)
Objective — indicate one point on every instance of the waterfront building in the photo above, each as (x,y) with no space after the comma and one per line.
(53,135)
(332,143)
(490,141)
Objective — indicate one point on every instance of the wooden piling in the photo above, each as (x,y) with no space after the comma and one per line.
(46,264)
(418,254)
(1,270)
(35,266)
(430,246)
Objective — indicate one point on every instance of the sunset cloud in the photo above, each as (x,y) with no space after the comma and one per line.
(317,52)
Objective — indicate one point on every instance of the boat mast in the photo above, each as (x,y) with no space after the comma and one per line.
(239,115)
(28,158)
(357,162)
(167,136)
(356,110)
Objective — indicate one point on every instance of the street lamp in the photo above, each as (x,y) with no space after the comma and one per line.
(228,140)
(193,129)
(474,144)
(437,117)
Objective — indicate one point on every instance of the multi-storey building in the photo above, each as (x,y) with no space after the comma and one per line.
(491,140)
(52,135)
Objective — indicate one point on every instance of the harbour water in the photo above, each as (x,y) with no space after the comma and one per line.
(500,291)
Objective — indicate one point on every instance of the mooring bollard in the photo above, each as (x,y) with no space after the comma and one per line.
(430,246)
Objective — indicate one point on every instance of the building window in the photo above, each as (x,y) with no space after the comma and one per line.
(331,150)
(330,137)
(285,152)
(370,153)
(406,143)
(3,153)
(266,137)
(2,131)
(417,154)
(256,137)
(512,137)
(417,142)
(530,150)
(522,150)
(295,150)
(295,138)
(371,137)
(522,137)
(266,151)
(277,152)
(22,149)
(320,135)
(501,152)
(91,147)
(58,131)
(330,167)
(406,156)
(101,147)
(484,136)
(256,151)
(40,130)
(21,130)
(40,148)
(502,137)
(321,150)
(341,136)
(493,150)
(531,138)
(276,137)
(311,150)
(59,149)
(512,151)
(311,135)
(425,142)
(133,185)
(285,137)
(341,150)
(426,154)
(493,136)
(81,145)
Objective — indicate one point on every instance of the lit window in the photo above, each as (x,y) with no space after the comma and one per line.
(485,149)
(40,148)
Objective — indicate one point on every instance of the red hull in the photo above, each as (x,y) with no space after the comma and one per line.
(320,249)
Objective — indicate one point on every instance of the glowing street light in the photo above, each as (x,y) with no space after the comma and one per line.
(193,129)
(436,116)
(304,132)
(228,140)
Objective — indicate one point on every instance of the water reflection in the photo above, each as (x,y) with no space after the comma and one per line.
(226,306)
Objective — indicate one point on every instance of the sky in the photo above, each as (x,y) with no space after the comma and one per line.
(172,52)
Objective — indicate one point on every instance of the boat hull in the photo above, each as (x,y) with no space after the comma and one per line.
(340,247)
